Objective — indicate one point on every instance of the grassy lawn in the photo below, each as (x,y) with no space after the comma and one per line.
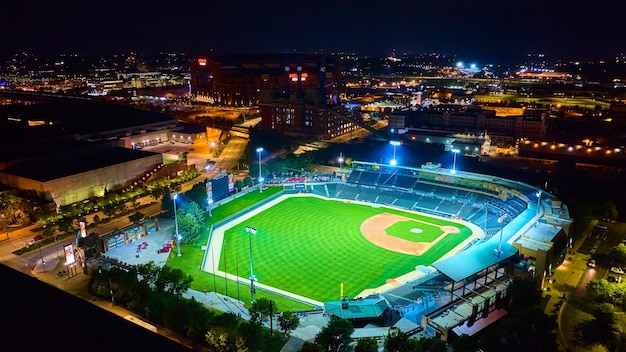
(310,246)
(192,258)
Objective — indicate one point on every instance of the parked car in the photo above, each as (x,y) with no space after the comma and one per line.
(617,270)
(36,239)
(591,263)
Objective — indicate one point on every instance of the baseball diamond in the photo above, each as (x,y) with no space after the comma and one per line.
(308,245)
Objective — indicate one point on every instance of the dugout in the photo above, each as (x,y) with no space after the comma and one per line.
(360,311)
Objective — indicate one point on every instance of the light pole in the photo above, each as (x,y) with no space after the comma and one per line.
(209,189)
(538,194)
(260,178)
(394,162)
(340,160)
(212,144)
(43,262)
(500,220)
(174,196)
(455,152)
(251,231)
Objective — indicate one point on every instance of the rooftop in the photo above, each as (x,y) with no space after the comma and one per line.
(62,164)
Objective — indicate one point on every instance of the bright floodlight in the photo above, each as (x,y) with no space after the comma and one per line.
(393,161)
(455,152)
(261,179)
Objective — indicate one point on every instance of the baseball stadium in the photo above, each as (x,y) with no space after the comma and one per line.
(424,248)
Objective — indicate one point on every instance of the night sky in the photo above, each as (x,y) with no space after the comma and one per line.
(472,30)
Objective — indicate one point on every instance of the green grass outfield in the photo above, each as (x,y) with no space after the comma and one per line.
(309,246)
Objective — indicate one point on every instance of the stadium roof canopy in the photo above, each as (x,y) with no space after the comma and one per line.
(473,260)
(357,308)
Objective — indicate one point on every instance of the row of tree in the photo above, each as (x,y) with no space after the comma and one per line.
(156,293)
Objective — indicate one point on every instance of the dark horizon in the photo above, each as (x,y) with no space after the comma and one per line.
(487,31)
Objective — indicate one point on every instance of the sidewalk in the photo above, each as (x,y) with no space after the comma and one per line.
(562,286)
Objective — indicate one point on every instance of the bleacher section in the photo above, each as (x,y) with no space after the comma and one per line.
(404,188)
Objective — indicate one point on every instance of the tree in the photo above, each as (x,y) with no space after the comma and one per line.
(148,273)
(600,290)
(198,194)
(310,347)
(261,309)
(367,344)
(220,339)
(239,184)
(465,343)
(251,333)
(523,293)
(136,217)
(430,344)
(221,335)
(190,222)
(247,181)
(607,209)
(618,254)
(66,224)
(288,322)
(397,341)
(172,280)
(599,330)
(335,337)
(48,231)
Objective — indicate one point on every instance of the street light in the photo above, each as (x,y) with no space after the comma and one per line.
(212,144)
(251,231)
(259,150)
(340,160)
(209,189)
(538,194)
(394,162)
(455,152)
(500,220)
(174,196)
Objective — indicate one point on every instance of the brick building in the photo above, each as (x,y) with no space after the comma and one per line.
(297,94)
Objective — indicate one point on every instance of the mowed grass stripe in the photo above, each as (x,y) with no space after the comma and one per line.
(309,246)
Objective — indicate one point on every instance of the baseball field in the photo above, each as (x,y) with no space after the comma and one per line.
(310,246)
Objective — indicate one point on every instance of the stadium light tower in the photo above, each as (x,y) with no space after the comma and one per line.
(500,220)
(259,150)
(455,152)
(209,189)
(538,194)
(178,237)
(251,231)
(394,162)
